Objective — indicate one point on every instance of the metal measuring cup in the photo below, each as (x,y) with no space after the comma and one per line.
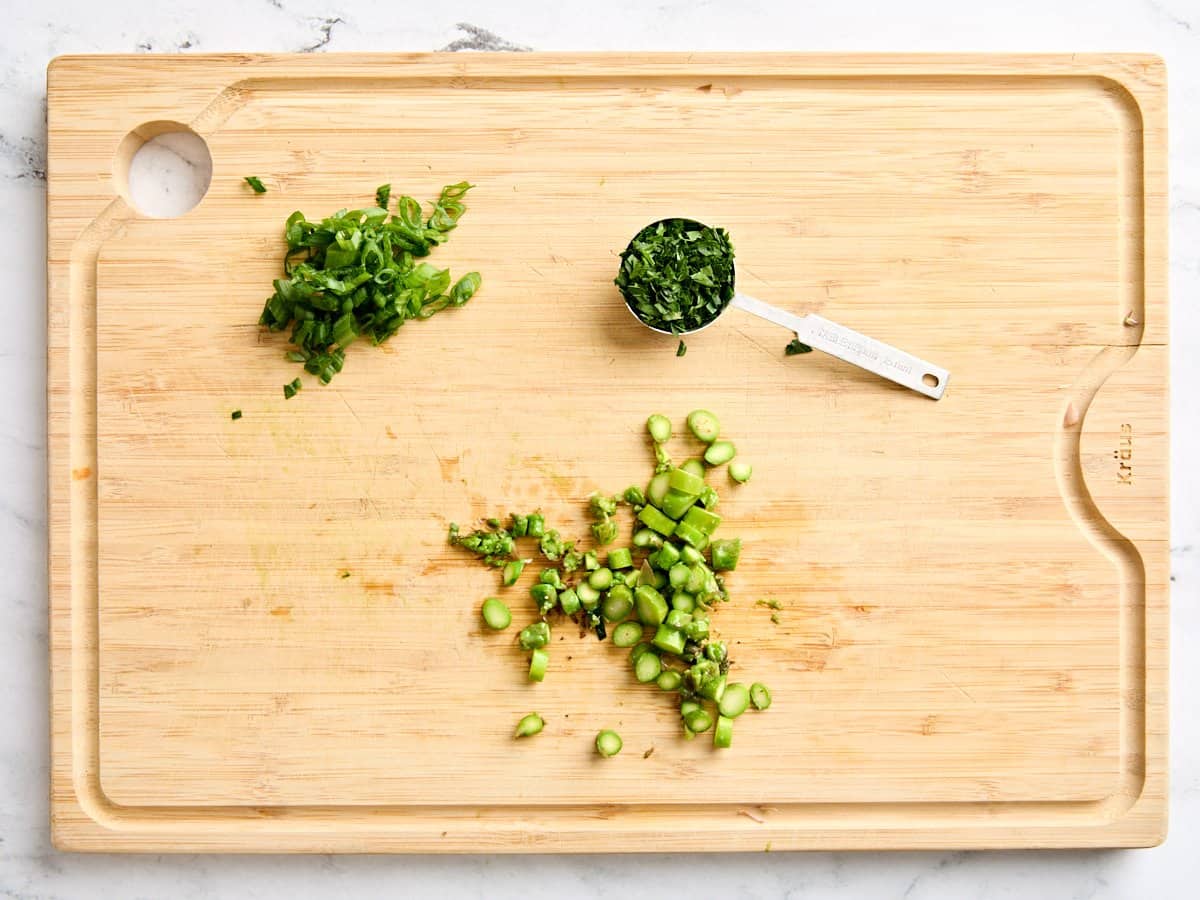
(829,337)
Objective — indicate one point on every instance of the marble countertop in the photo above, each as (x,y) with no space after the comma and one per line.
(34,33)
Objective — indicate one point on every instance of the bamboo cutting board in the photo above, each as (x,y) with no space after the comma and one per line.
(972,649)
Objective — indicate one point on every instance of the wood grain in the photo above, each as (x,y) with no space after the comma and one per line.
(972,651)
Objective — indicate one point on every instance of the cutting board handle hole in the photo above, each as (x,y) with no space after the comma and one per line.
(929,379)
(163,169)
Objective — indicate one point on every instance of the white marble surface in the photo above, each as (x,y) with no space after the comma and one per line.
(35,32)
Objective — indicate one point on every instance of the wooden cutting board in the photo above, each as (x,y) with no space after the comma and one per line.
(972,649)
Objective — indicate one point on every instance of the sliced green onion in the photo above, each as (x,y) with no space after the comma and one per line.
(719,453)
(355,272)
(345,330)
(704,425)
(740,471)
(495,613)
(627,634)
(659,428)
(235,415)
(608,743)
(760,695)
(538,661)
(690,555)
(529,726)
(591,561)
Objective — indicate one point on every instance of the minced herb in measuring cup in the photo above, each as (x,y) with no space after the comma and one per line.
(676,275)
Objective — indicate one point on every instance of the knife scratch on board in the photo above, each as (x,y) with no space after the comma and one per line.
(950,681)
(131,405)
(342,397)
(775,356)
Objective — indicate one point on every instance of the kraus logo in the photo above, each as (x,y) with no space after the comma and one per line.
(1124,455)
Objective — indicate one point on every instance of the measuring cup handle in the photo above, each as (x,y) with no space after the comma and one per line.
(855,348)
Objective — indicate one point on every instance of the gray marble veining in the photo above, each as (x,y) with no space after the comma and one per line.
(34,33)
